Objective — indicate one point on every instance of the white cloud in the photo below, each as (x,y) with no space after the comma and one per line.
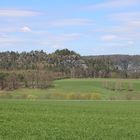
(25,29)
(17,13)
(68,37)
(64,37)
(58,41)
(128,26)
(70,22)
(108,37)
(3,35)
(124,26)
(131,42)
(128,23)
(124,32)
(110,4)
(125,16)
(8,41)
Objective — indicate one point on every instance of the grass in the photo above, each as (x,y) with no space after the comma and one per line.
(65,89)
(69,120)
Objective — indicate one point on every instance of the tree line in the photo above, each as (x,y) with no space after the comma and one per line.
(37,69)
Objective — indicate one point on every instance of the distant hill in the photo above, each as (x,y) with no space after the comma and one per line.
(130,63)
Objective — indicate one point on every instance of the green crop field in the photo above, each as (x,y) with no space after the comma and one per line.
(96,89)
(69,120)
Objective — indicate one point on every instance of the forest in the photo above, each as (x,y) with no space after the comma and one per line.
(37,69)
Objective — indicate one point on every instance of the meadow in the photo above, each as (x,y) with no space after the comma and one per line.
(69,120)
(82,89)
(73,109)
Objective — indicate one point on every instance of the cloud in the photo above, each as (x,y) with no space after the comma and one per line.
(17,13)
(128,25)
(108,37)
(125,27)
(25,29)
(58,41)
(125,32)
(125,16)
(6,40)
(70,22)
(131,42)
(68,37)
(3,35)
(111,4)
(64,37)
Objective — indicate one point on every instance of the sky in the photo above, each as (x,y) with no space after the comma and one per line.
(89,27)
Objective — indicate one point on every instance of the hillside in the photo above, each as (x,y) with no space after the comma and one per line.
(123,62)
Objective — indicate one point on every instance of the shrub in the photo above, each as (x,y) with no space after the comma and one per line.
(112,98)
(130,87)
(74,96)
(128,96)
(33,97)
(57,96)
(96,96)
(24,96)
(6,96)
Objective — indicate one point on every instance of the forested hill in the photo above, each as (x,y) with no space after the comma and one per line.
(71,64)
(130,63)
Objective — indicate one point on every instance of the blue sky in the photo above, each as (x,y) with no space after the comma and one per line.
(89,27)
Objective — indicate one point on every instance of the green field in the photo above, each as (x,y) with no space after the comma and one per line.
(69,120)
(81,89)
